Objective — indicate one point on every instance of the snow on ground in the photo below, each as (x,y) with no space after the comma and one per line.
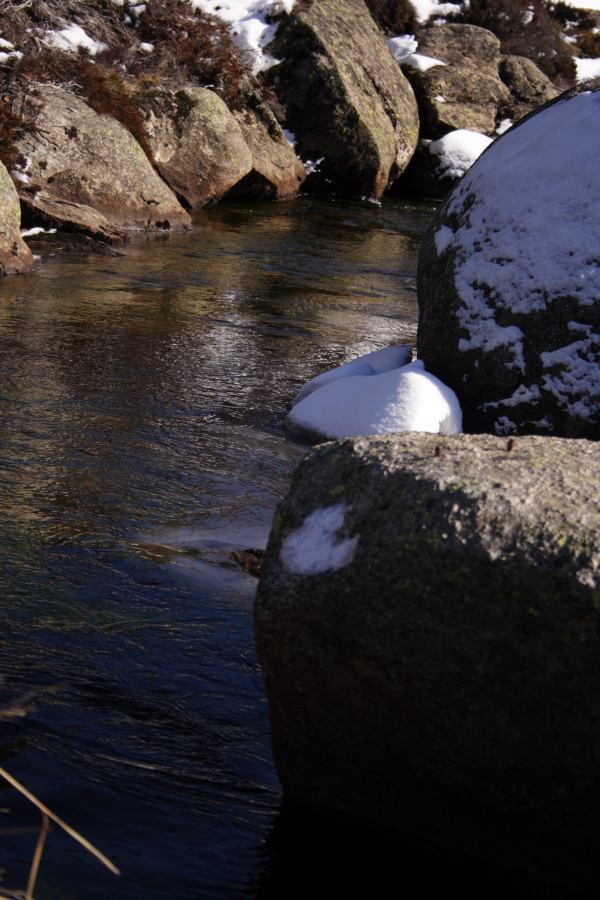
(530,236)
(426,8)
(72,38)
(586,68)
(403,49)
(457,151)
(247,20)
(583,4)
(402,399)
(369,364)
(315,547)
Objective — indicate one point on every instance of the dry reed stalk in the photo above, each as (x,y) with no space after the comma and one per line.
(46,812)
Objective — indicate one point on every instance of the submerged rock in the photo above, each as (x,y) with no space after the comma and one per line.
(15,255)
(509,281)
(197,144)
(351,109)
(428,625)
(87,171)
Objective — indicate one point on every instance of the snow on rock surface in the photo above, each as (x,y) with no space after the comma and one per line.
(315,547)
(517,275)
(402,399)
(403,50)
(370,364)
(458,150)
(247,20)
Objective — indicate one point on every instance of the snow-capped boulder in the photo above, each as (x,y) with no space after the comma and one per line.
(509,278)
(347,101)
(197,145)
(276,173)
(528,86)
(427,624)
(89,166)
(15,255)
(466,91)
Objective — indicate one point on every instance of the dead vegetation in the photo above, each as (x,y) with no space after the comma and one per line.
(393,16)
(526,28)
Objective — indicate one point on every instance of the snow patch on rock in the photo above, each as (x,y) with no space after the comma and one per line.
(315,547)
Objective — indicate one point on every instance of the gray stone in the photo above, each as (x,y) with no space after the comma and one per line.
(347,101)
(15,255)
(277,173)
(509,316)
(198,146)
(443,676)
(461,45)
(91,167)
(528,86)
(467,91)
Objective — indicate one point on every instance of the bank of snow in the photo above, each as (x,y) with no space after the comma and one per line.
(358,402)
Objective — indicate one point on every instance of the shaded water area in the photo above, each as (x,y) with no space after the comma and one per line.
(142,399)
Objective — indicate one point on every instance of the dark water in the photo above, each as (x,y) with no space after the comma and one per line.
(141,401)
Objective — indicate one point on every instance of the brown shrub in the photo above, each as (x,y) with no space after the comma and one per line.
(539,39)
(393,16)
(190,46)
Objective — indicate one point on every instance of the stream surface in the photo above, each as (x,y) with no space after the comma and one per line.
(141,400)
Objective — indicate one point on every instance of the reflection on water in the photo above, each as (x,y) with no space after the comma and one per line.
(141,403)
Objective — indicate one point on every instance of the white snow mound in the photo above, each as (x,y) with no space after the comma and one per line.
(458,150)
(403,399)
(369,364)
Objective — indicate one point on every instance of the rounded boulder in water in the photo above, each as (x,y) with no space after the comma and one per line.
(509,278)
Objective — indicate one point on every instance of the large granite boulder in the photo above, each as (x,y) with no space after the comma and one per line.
(276,173)
(428,625)
(352,111)
(197,145)
(528,86)
(465,92)
(15,255)
(509,278)
(89,167)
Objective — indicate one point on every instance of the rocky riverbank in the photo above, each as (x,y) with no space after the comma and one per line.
(123,116)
